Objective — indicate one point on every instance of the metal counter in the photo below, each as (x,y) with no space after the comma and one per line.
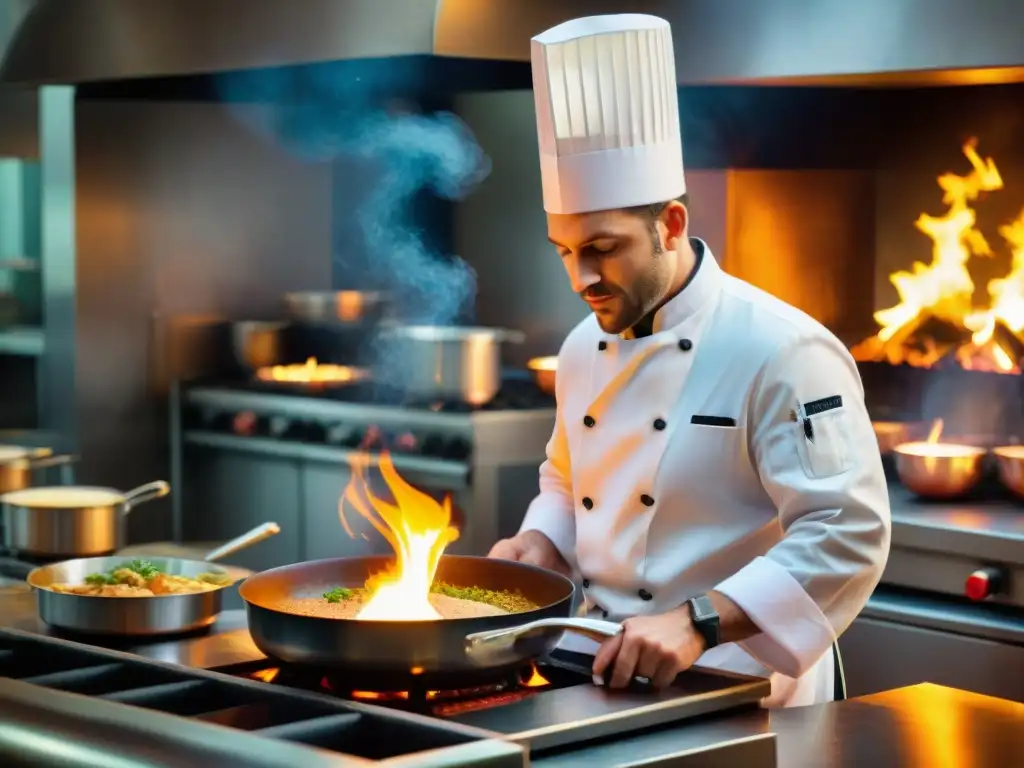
(224,644)
(992,530)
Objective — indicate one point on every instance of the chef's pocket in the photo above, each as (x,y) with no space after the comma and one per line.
(826,447)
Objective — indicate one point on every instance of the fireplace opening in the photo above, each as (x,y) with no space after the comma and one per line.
(896,218)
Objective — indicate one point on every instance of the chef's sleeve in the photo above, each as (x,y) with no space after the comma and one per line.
(553,512)
(818,458)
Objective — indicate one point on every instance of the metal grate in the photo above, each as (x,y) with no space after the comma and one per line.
(243,705)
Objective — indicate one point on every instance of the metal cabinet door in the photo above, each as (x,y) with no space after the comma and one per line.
(881,655)
(227,493)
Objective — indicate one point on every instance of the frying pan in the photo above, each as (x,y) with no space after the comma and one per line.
(398,655)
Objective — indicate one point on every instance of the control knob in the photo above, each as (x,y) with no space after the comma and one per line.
(984,583)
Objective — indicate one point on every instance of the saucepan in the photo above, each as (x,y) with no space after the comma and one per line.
(258,344)
(70,520)
(17,465)
(544,371)
(397,655)
(335,307)
(445,362)
(160,614)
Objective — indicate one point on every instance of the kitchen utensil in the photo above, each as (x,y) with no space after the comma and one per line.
(393,655)
(17,465)
(446,362)
(335,307)
(543,370)
(137,616)
(939,470)
(70,520)
(1010,465)
(258,344)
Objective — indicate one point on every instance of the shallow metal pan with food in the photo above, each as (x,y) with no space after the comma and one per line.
(139,616)
(393,655)
(70,520)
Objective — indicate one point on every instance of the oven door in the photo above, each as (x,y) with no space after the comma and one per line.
(904,637)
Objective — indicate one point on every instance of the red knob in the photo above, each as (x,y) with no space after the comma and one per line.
(983,583)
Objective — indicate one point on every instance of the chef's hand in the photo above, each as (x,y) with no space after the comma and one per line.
(531,547)
(656,647)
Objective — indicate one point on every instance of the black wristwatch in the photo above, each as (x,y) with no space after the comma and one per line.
(705,620)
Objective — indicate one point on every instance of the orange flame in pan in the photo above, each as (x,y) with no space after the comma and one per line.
(418,529)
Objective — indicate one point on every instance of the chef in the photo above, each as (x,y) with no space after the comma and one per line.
(713,477)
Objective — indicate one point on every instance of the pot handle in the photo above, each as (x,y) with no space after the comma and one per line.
(50,461)
(246,540)
(513,337)
(155,490)
(498,643)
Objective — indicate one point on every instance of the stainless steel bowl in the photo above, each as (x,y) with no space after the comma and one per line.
(939,470)
(1010,465)
(335,307)
(544,371)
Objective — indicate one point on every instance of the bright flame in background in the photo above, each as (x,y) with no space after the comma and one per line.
(943,290)
(416,526)
(335,113)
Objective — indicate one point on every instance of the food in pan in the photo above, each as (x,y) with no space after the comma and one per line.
(140,578)
(450,602)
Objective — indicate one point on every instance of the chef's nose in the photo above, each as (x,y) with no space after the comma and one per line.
(582,273)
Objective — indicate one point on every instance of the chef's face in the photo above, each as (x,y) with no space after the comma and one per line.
(621,262)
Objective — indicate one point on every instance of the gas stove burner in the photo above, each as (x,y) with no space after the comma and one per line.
(311,375)
(441,699)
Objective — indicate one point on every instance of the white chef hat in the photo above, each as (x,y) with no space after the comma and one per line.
(607,113)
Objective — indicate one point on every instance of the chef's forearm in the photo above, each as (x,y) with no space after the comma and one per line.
(734,624)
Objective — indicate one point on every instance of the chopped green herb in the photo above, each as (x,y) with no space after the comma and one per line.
(99,579)
(337,594)
(143,568)
(507,601)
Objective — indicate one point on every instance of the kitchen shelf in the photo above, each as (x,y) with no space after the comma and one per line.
(21,340)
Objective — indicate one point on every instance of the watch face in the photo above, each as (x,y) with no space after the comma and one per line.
(702,609)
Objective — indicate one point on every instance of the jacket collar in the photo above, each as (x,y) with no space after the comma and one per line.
(704,284)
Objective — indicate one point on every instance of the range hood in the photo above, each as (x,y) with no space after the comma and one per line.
(739,41)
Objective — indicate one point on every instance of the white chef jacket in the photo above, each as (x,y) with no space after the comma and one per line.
(731,450)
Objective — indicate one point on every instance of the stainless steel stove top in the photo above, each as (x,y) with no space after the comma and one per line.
(496,730)
(554,704)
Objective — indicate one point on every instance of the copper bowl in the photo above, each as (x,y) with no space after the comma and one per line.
(939,470)
(1010,464)
(544,370)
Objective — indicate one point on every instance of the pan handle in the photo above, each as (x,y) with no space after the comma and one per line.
(256,535)
(155,490)
(41,462)
(499,643)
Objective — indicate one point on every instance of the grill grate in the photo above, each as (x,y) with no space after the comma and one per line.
(282,714)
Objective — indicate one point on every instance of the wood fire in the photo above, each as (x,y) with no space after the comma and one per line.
(937,318)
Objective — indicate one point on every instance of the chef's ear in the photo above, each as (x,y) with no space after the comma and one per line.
(674,217)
